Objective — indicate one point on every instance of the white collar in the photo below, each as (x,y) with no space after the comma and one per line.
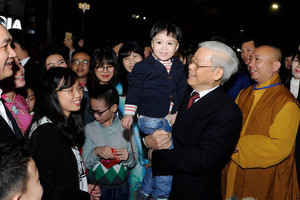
(36,124)
(24,61)
(205,92)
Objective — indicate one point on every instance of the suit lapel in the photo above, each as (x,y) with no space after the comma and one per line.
(6,133)
(4,126)
(16,128)
(211,95)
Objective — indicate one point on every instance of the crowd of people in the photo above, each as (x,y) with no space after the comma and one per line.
(125,121)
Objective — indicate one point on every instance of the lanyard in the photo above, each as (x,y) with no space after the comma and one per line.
(266,86)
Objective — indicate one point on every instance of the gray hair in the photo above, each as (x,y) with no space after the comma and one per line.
(228,62)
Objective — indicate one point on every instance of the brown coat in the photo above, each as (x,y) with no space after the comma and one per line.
(274,182)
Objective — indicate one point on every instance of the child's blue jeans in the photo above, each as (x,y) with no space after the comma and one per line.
(157,186)
(121,193)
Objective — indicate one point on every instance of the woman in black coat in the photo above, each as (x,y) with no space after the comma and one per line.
(57,135)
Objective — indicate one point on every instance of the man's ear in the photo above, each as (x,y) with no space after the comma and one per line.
(16,197)
(276,66)
(218,73)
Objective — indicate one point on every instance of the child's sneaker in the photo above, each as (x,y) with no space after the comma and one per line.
(141,196)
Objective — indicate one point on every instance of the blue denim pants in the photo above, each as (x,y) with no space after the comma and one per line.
(157,186)
(121,193)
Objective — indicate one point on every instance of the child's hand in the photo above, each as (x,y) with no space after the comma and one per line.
(69,43)
(94,192)
(173,118)
(150,155)
(127,121)
(236,150)
(104,152)
(121,154)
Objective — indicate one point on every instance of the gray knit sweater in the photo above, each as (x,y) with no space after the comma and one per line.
(113,136)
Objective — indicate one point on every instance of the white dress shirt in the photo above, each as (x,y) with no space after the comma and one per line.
(294,87)
(24,61)
(204,92)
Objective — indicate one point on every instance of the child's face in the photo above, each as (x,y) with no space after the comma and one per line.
(103,113)
(30,99)
(164,46)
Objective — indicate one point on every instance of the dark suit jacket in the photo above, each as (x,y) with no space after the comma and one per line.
(6,133)
(33,72)
(204,138)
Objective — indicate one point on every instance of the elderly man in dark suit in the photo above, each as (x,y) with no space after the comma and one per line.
(9,129)
(206,130)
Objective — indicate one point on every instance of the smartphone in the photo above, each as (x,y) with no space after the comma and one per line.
(68,35)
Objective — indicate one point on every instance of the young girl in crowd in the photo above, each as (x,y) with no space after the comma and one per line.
(293,82)
(57,135)
(129,54)
(29,95)
(15,102)
(109,151)
(51,58)
(30,99)
(105,70)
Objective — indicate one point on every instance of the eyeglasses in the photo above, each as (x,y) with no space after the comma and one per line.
(200,66)
(99,113)
(100,68)
(71,91)
(83,62)
(196,66)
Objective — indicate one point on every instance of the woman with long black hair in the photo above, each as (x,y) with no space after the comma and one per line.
(57,135)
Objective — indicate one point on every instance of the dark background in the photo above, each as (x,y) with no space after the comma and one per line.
(199,19)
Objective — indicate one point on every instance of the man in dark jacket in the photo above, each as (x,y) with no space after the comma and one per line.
(21,42)
(205,133)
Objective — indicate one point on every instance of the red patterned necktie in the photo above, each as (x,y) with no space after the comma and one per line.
(194,96)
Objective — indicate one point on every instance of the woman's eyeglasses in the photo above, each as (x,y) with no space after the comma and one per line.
(71,91)
(100,68)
